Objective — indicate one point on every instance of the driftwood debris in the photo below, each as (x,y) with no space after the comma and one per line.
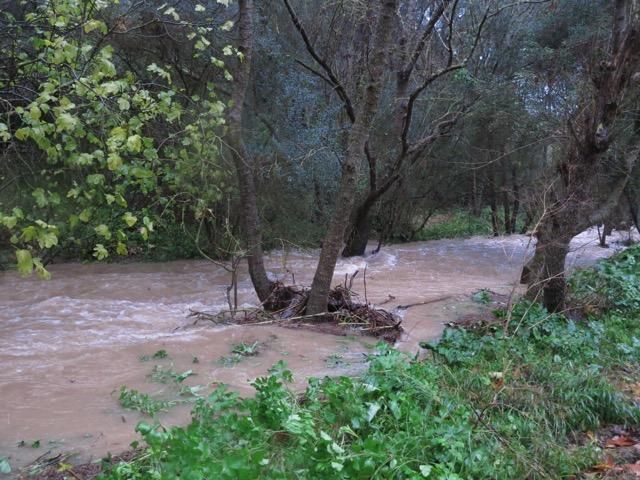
(286,306)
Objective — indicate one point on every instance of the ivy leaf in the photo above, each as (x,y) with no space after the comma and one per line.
(134,143)
(40,197)
(103,231)
(85,215)
(425,470)
(100,252)
(10,222)
(114,161)
(47,239)
(25,261)
(129,219)
(66,122)
(121,249)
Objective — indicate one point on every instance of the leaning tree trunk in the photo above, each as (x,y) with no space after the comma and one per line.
(358,237)
(369,93)
(579,201)
(243,162)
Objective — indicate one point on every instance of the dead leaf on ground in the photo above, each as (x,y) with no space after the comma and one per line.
(633,468)
(620,441)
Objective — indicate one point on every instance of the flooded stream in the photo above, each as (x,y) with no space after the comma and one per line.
(67,345)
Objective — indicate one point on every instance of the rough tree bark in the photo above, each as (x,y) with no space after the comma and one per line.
(369,93)
(242,160)
(574,194)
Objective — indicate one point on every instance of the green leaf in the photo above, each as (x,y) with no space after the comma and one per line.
(40,197)
(121,249)
(103,231)
(35,113)
(129,219)
(134,143)
(114,161)
(66,122)
(425,470)
(47,239)
(5,467)
(100,252)
(85,215)
(25,261)
(10,222)
(44,274)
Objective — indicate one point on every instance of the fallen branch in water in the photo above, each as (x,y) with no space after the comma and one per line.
(426,302)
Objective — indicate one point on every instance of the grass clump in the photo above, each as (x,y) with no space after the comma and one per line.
(482,404)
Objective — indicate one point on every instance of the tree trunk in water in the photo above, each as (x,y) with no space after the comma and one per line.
(358,237)
(243,162)
(506,208)
(369,92)
(493,201)
(516,201)
(546,270)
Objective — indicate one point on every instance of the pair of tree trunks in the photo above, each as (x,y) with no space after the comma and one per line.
(368,94)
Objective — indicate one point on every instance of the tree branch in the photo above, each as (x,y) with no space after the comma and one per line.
(331,76)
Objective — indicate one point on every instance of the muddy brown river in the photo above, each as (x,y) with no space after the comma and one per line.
(67,345)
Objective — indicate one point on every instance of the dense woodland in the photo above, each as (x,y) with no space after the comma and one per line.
(221,129)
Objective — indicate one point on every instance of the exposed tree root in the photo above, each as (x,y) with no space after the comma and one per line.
(286,306)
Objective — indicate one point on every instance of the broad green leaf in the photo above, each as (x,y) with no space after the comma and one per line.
(100,252)
(40,197)
(103,231)
(134,143)
(85,215)
(47,239)
(42,272)
(66,122)
(129,219)
(35,113)
(10,222)
(200,8)
(114,161)
(121,249)
(25,262)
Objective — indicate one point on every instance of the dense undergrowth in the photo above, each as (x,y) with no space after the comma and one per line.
(479,404)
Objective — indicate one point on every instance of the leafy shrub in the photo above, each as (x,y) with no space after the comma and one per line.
(612,284)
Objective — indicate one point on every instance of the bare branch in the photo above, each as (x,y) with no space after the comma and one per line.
(340,90)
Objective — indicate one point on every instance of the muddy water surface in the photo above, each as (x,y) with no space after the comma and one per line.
(67,345)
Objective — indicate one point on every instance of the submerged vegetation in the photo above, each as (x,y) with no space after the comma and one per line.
(523,400)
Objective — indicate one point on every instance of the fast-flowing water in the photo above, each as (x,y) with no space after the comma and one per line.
(67,345)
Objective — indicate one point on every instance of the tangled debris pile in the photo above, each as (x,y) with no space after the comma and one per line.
(287,307)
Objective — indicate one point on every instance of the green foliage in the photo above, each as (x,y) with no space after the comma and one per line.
(456,224)
(113,151)
(487,405)
(246,349)
(613,284)
(142,402)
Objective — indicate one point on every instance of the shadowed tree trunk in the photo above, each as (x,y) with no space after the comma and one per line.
(243,162)
(576,197)
(369,93)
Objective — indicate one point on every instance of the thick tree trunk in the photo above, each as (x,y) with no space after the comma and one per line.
(243,162)
(369,92)
(545,273)
(358,237)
